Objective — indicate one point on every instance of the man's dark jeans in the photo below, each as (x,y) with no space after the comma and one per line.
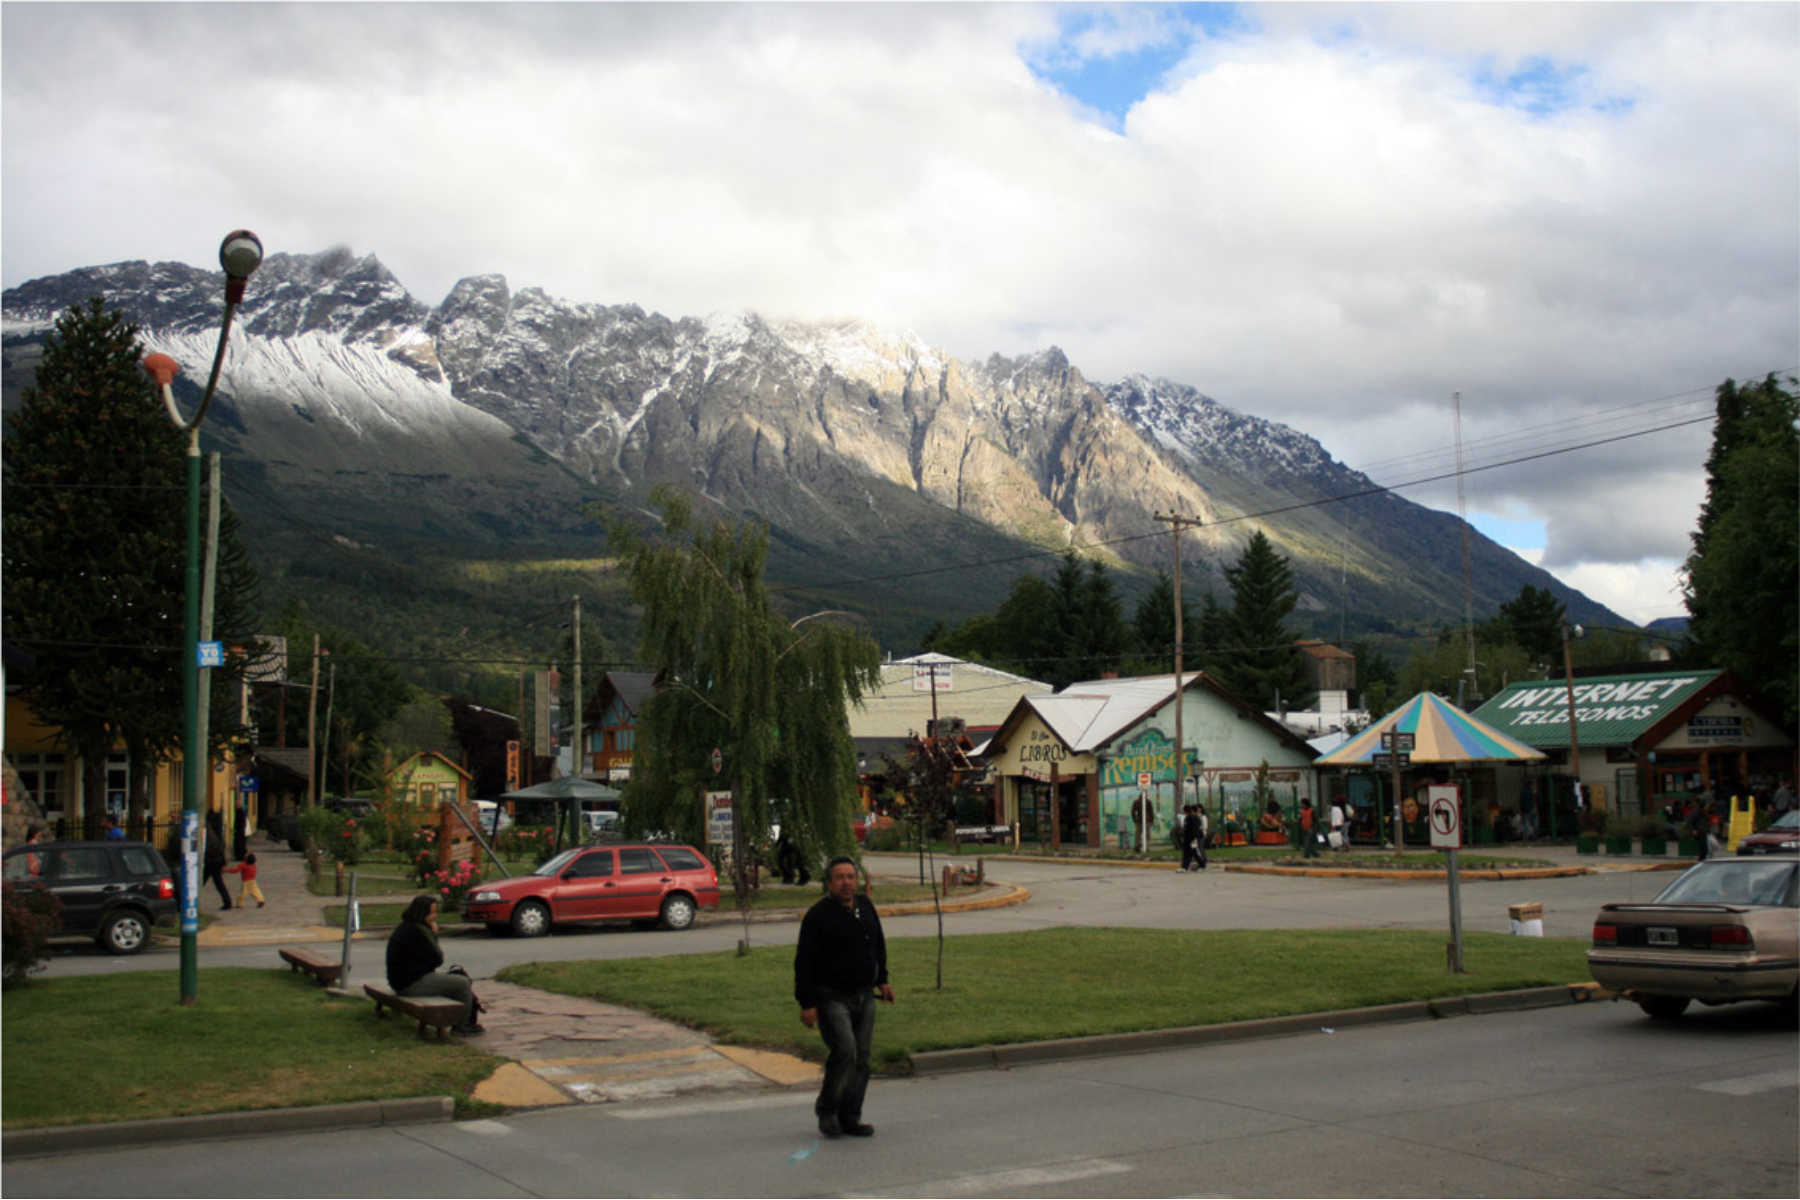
(847,1023)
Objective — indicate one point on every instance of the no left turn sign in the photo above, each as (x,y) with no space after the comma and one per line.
(1445,814)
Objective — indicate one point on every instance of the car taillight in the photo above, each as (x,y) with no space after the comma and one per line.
(165,888)
(1606,935)
(1734,936)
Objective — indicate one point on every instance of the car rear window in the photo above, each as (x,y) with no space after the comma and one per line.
(139,860)
(1735,881)
(638,860)
(680,858)
(83,862)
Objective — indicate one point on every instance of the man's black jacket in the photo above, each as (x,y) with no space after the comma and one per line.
(840,948)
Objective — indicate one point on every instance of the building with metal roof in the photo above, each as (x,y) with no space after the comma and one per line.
(1648,737)
(1071,767)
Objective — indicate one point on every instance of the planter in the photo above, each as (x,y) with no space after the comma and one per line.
(1688,847)
(1483,837)
(1656,845)
(1618,845)
(1587,843)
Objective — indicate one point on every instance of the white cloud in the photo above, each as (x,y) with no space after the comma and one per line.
(1331,215)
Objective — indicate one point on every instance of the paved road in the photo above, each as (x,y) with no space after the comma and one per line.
(1062,894)
(1590,1100)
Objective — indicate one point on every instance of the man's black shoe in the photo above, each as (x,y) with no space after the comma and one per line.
(858,1129)
(829,1127)
(471,1027)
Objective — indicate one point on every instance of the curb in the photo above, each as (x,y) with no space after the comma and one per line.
(980,1058)
(112,1135)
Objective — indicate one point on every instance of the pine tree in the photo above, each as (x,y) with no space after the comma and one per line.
(1154,624)
(1262,664)
(94,554)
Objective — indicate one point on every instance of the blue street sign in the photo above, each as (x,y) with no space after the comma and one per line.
(248,783)
(210,654)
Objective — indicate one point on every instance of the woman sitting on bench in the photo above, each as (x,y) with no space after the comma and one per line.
(413,959)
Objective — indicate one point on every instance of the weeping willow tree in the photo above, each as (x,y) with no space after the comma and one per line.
(772,695)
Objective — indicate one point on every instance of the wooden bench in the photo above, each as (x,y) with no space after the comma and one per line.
(438,1015)
(317,965)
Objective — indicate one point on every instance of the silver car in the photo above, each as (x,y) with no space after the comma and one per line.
(1727,930)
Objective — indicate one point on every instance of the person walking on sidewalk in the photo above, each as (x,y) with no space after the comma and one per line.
(214,858)
(247,888)
(1309,830)
(840,968)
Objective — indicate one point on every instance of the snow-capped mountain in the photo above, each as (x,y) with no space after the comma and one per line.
(493,416)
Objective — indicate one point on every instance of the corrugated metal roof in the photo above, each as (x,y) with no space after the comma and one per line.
(1611,710)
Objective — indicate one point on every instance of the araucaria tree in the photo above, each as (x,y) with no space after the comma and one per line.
(94,555)
(771,694)
(1743,578)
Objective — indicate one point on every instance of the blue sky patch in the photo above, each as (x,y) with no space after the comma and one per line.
(1542,87)
(1109,57)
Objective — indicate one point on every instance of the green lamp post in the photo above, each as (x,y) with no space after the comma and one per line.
(240,254)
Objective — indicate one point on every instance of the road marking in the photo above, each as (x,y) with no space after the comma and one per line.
(992,1183)
(1749,1085)
(706,1108)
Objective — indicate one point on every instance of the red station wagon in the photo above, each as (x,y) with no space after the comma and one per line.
(645,883)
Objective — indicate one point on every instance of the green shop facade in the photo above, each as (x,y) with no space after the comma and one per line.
(1070,768)
(1642,740)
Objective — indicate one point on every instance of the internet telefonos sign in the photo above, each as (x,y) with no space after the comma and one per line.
(1636,699)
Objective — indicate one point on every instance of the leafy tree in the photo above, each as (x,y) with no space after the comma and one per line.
(1261,663)
(94,554)
(1743,576)
(771,694)
(1377,684)
(422,723)
(1440,665)
(360,692)
(1532,621)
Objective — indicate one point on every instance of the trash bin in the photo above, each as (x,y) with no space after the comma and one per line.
(1527,919)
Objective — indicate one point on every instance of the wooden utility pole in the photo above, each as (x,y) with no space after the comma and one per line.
(1176,524)
(312,725)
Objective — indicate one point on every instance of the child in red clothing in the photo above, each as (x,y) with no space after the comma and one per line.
(248,887)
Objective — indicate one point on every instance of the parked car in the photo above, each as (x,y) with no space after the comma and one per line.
(1781,837)
(349,806)
(601,823)
(1727,930)
(493,818)
(643,882)
(113,892)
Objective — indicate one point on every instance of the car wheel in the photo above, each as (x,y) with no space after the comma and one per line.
(531,919)
(125,933)
(678,911)
(1664,1008)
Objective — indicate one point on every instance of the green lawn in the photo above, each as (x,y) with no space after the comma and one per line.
(1003,988)
(122,1047)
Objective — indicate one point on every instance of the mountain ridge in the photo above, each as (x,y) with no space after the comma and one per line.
(495,417)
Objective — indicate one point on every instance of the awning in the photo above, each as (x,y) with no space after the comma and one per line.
(1442,733)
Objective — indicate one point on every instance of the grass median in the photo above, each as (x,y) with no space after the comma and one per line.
(119,1048)
(1061,983)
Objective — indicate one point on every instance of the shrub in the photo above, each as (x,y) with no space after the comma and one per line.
(419,848)
(452,885)
(31,916)
(886,838)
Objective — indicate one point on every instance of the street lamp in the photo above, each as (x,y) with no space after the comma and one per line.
(239,254)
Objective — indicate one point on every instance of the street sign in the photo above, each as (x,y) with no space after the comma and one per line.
(1445,816)
(1389,762)
(1144,781)
(718,760)
(209,654)
(718,818)
(1393,739)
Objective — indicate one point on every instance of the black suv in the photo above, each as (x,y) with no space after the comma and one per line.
(111,891)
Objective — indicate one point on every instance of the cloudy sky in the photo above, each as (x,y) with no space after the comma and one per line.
(1579,217)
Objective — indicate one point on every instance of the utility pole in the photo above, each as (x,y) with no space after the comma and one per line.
(1574,738)
(1176,524)
(1468,573)
(312,725)
(580,715)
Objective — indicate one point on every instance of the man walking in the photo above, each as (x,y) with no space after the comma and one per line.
(840,967)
